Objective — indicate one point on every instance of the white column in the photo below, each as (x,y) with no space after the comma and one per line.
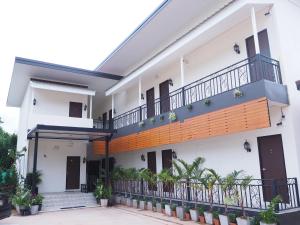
(140,91)
(113,105)
(182,71)
(91,106)
(254,30)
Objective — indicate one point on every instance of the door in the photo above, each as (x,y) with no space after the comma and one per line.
(151,161)
(260,71)
(73,172)
(150,103)
(75,109)
(164,97)
(93,173)
(104,119)
(167,164)
(272,166)
(110,119)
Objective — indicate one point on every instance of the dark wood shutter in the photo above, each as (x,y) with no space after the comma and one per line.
(151,159)
(164,96)
(150,103)
(104,119)
(167,164)
(75,109)
(73,172)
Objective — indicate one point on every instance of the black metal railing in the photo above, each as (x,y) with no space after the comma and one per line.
(247,71)
(100,124)
(257,195)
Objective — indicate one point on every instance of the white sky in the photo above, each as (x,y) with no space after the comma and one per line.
(79,33)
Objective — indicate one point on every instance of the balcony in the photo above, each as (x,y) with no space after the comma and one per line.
(239,75)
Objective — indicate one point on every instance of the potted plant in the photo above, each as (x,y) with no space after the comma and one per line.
(98,191)
(143,203)
(238,93)
(207,102)
(166,178)
(154,206)
(187,214)
(34,205)
(232,218)
(106,195)
(209,179)
(141,123)
(186,173)
(216,220)
(201,215)
(172,116)
(135,203)
(244,182)
(34,177)
(173,210)
(163,207)
(152,120)
(151,180)
(189,107)
(269,216)
(22,200)
(161,118)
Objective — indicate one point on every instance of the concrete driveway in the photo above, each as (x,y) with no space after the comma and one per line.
(95,216)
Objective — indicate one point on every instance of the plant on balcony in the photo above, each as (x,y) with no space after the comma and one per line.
(269,216)
(186,172)
(189,107)
(209,179)
(172,116)
(142,123)
(152,120)
(161,117)
(238,93)
(207,102)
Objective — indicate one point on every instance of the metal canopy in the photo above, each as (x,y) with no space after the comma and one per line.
(69,133)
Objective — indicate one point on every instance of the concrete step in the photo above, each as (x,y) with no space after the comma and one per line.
(65,200)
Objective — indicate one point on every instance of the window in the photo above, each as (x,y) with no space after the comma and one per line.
(75,109)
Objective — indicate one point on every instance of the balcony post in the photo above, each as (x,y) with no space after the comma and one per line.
(297,192)
(34,169)
(275,192)
(182,76)
(140,112)
(254,30)
(106,161)
(112,105)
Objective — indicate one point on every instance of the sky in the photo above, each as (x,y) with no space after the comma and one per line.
(78,33)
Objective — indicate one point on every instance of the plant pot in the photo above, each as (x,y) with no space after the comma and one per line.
(180,212)
(142,205)
(158,207)
(223,219)
(129,202)
(154,208)
(174,214)
(187,216)
(216,221)
(208,217)
(149,205)
(24,211)
(118,199)
(18,209)
(202,219)
(98,201)
(123,200)
(135,203)
(40,207)
(242,221)
(163,211)
(194,214)
(34,209)
(262,223)
(232,224)
(104,202)
(168,210)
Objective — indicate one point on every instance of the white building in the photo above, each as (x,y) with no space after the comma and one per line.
(189,57)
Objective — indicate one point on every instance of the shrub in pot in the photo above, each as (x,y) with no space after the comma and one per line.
(34,177)
(143,204)
(216,220)
(135,203)
(201,215)
(154,206)
(36,202)
(98,191)
(168,209)
(187,214)
(22,200)
(173,210)
(180,212)
(194,214)
(269,216)
(158,207)
(106,195)
(232,218)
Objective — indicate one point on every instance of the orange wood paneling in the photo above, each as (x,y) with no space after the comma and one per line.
(247,116)
(98,147)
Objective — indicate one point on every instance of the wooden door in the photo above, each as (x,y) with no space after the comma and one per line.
(104,119)
(75,109)
(150,103)
(73,172)
(167,164)
(151,162)
(272,166)
(258,70)
(164,97)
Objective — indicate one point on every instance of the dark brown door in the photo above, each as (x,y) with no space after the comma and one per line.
(73,172)
(151,159)
(164,97)
(110,119)
(167,164)
(272,166)
(150,103)
(104,119)
(258,70)
(75,109)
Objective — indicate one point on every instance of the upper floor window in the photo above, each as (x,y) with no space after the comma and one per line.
(75,109)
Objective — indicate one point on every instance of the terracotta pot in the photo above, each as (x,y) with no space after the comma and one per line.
(163,211)
(232,224)
(216,221)
(187,216)
(202,219)
(174,214)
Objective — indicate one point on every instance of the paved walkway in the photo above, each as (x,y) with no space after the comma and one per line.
(95,216)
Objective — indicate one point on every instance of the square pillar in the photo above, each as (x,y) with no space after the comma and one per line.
(106,161)
(36,143)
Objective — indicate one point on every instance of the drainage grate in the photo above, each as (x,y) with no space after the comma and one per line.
(73,207)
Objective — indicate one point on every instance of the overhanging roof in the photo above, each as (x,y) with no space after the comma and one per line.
(69,133)
(26,69)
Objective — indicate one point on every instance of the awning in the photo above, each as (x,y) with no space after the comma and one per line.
(69,133)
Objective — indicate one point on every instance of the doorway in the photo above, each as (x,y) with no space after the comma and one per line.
(164,97)
(150,103)
(167,158)
(270,151)
(151,162)
(93,173)
(73,172)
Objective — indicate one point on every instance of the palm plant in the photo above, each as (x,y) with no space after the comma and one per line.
(151,178)
(167,179)
(244,184)
(130,175)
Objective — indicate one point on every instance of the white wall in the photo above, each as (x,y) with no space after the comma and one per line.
(52,161)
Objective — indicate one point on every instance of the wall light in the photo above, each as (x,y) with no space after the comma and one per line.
(34,101)
(85,107)
(236,48)
(247,146)
(142,96)
(84,160)
(170,82)
(174,155)
(143,158)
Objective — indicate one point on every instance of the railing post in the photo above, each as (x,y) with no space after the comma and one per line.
(260,68)
(275,193)
(140,110)
(297,192)
(183,96)
(188,187)
(142,187)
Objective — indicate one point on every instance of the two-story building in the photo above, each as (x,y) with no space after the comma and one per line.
(197,78)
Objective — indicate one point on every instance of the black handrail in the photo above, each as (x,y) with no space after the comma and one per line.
(246,71)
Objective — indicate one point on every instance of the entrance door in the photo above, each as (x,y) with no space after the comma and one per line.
(104,119)
(150,103)
(73,172)
(272,166)
(75,109)
(151,159)
(93,173)
(164,97)
(167,164)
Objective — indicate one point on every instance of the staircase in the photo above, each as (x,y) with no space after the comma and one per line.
(67,200)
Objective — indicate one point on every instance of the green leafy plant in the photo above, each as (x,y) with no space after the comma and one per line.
(244,182)
(187,209)
(201,210)
(269,216)
(99,190)
(167,179)
(33,177)
(161,117)
(152,120)
(207,102)
(172,116)
(232,217)
(37,199)
(189,107)
(173,207)
(238,93)
(141,123)
(22,198)
(216,214)
(150,178)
